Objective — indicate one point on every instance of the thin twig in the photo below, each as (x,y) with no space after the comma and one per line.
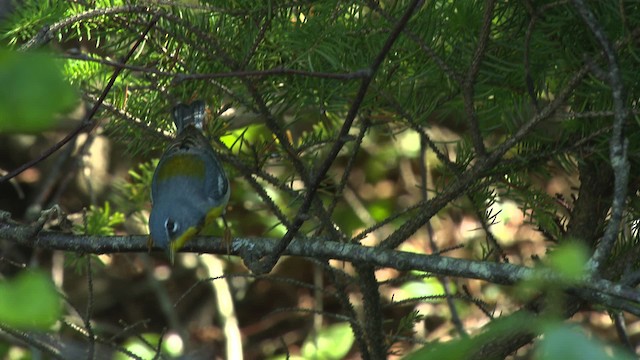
(347,169)
(35,340)
(431,54)
(87,320)
(180,77)
(621,329)
(468,90)
(340,280)
(455,317)
(47,32)
(491,240)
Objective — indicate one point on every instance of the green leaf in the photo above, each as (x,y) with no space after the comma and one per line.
(332,342)
(564,342)
(29,301)
(569,260)
(33,91)
(463,348)
(4,350)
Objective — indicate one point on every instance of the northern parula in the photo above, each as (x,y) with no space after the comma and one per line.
(189,189)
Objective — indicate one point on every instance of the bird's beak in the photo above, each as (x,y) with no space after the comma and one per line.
(171,252)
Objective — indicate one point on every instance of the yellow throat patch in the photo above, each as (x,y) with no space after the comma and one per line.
(191,232)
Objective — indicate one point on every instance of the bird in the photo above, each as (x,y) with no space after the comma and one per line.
(189,188)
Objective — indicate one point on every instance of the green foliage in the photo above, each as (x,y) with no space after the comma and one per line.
(381,209)
(78,262)
(136,192)
(29,301)
(331,342)
(558,342)
(569,261)
(463,348)
(571,343)
(100,221)
(427,287)
(28,18)
(4,350)
(407,324)
(33,90)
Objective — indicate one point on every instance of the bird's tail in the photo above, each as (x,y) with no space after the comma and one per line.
(185,115)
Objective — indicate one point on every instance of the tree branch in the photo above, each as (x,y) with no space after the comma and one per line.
(618,144)
(470,80)
(252,249)
(179,77)
(47,32)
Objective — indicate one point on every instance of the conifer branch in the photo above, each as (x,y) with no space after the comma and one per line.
(319,173)
(618,145)
(469,83)
(87,123)
(48,32)
(251,249)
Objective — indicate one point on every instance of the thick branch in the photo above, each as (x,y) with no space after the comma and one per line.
(618,144)
(252,249)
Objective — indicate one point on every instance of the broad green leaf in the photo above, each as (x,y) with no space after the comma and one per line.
(462,349)
(569,343)
(4,350)
(33,91)
(569,261)
(29,301)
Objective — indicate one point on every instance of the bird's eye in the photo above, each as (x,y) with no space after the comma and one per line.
(171,226)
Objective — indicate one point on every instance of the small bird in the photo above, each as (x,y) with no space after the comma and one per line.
(189,189)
